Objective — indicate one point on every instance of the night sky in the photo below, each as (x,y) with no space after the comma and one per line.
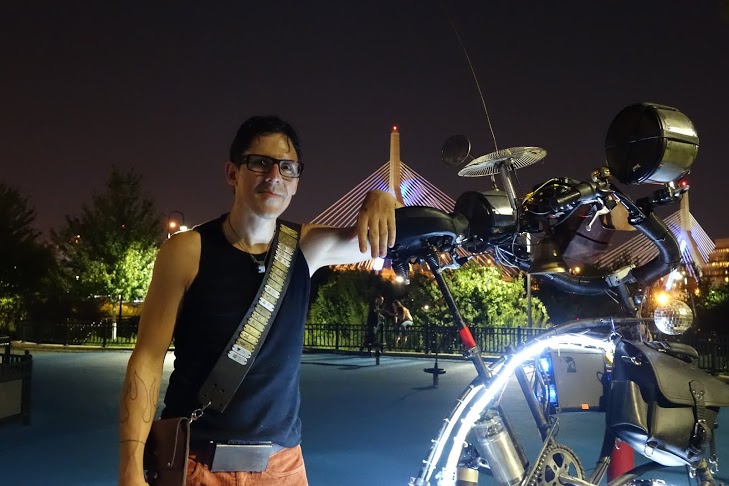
(161,87)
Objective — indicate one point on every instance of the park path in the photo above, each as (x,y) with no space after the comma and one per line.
(363,425)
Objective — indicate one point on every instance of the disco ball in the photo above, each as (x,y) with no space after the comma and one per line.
(673,318)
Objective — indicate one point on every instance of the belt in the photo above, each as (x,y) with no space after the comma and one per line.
(234,455)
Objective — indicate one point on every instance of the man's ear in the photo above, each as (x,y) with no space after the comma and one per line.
(231,172)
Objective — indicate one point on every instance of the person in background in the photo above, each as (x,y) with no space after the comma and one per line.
(375,321)
(403,320)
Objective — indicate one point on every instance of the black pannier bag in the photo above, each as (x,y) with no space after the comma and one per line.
(662,406)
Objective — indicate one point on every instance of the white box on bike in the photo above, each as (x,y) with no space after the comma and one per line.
(579,380)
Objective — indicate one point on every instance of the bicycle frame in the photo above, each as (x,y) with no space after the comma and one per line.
(479,396)
(484,391)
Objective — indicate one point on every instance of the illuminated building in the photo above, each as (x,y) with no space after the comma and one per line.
(716,269)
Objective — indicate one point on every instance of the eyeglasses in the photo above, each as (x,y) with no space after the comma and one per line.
(263,163)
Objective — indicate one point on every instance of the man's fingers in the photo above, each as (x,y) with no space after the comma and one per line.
(375,240)
(362,234)
(376,224)
(391,230)
(384,239)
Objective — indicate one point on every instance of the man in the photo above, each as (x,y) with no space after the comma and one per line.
(403,320)
(375,319)
(203,283)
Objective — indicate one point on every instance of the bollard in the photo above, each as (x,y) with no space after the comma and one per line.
(435,371)
(715,360)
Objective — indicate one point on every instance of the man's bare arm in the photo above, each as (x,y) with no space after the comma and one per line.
(174,270)
(374,231)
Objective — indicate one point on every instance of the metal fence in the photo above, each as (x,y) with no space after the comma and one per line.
(426,339)
(713,350)
(104,332)
(421,339)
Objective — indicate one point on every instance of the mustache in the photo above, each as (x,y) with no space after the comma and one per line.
(269,187)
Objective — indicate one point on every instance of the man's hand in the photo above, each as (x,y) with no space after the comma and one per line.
(376,223)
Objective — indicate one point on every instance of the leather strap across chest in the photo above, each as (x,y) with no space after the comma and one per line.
(240,352)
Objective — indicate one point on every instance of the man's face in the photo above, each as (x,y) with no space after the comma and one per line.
(265,194)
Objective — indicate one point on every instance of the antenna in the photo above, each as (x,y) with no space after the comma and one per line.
(473,72)
(503,162)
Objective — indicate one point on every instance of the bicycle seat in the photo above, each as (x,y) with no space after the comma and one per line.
(421,229)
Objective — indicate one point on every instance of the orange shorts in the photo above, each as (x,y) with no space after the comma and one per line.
(285,468)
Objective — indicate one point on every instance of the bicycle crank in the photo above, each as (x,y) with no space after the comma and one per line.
(557,460)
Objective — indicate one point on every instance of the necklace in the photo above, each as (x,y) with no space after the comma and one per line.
(261,264)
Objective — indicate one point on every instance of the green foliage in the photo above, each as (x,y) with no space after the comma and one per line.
(109,249)
(483,298)
(481,295)
(24,260)
(714,297)
(564,307)
(345,297)
(712,307)
(12,310)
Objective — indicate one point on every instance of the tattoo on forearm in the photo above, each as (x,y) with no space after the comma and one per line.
(135,389)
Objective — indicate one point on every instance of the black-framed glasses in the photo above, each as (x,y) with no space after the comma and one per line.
(263,163)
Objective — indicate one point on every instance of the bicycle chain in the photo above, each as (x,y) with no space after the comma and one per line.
(549,465)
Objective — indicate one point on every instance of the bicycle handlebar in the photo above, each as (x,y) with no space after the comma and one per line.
(422,230)
(667,260)
(581,193)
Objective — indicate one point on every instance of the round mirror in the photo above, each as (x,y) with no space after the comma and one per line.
(455,150)
(673,318)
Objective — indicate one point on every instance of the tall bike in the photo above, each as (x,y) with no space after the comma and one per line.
(654,398)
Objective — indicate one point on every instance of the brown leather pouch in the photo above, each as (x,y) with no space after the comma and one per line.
(166,452)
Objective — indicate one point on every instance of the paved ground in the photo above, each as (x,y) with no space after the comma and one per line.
(364,425)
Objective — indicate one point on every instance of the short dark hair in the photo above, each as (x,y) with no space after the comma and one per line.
(259,126)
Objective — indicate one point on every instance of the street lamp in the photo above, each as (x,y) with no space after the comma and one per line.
(175,222)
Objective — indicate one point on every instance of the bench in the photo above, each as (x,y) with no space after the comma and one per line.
(15,376)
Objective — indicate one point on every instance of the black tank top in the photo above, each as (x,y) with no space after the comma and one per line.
(266,406)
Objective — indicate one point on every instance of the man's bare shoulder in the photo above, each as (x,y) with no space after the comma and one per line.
(180,255)
(182,244)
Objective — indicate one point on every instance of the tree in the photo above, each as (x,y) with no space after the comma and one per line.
(345,297)
(109,249)
(564,307)
(25,260)
(712,307)
(483,298)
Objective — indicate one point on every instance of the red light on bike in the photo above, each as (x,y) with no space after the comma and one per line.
(467,338)
(585,406)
